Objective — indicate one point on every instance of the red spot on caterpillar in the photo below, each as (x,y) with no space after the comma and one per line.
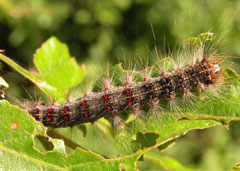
(65,109)
(86,114)
(114,115)
(127,92)
(66,118)
(126,83)
(50,110)
(108,108)
(106,88)
(14,125)
(105,97)
(84,103)
(35,111)
(50,118)
(130,102)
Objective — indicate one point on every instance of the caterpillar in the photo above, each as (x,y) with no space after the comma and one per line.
(203,70)
(132,96)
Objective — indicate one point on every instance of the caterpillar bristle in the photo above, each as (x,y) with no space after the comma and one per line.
(118,122)
(201,86)
(140,114)
(188,96)
(107,83)
(175,105)
(147,74)
(128,78)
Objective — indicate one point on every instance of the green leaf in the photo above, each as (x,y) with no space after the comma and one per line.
(195,41)
(166,162)
(17,146)
(205,36)
(165,130)
(199,40)
(57,71)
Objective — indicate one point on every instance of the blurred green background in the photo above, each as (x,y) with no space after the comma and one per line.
(108,30)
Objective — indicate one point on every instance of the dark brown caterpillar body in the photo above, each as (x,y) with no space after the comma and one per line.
(111,102)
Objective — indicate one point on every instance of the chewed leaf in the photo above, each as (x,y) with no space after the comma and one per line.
(199,40)
(194,41)
(206,36)
(58,72)
(17,144)
(158,132)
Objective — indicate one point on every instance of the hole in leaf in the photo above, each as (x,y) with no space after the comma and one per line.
(42,143)
(146,139)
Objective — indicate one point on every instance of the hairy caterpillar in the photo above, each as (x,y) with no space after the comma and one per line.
(130,97)
(202,71)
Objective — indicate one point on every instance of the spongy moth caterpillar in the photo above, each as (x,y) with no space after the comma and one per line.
(203,70)
(130,97)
